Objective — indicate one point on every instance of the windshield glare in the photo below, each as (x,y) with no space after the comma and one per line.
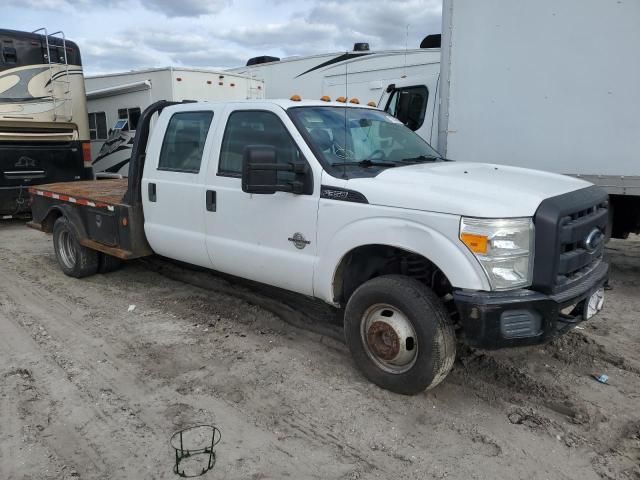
(351,135)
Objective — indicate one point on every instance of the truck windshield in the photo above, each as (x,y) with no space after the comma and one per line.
(360,137)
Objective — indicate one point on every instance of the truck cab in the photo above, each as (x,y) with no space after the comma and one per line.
(343,203)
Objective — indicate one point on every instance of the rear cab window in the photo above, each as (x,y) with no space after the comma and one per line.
(184,141)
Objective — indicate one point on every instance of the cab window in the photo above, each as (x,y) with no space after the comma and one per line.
(409,104)
(251,127)
(184,141)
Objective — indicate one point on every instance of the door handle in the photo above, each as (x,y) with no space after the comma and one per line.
(211,200)
(152,192)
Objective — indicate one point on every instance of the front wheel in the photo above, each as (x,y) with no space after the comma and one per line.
(400,334)
(74,259)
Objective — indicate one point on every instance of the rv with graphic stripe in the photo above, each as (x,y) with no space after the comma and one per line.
(44,131)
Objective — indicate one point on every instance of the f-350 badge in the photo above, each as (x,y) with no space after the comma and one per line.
(299,241)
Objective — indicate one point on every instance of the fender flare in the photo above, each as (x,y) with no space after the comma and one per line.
(70,213)
(458,264)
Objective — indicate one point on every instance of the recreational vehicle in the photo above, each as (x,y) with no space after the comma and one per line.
(361,74)
(44,134)
(115,102)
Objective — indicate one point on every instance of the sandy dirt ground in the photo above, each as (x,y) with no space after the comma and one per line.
(91,390)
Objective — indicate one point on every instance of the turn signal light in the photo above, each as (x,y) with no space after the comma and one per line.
(476,243)
(86,154)
(295,98)
(354,100)
(325,98)
(341,100)
(372,104)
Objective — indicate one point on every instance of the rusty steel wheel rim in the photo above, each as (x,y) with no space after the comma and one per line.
(389,338)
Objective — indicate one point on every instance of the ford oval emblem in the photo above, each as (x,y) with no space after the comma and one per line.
(593,240)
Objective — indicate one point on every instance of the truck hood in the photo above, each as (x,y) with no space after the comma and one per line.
(468,189)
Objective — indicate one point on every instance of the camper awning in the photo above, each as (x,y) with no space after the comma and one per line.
(119,89)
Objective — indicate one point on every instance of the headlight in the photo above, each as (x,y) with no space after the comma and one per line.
(504,248)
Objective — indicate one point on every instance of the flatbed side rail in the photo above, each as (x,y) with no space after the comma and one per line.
(66,198)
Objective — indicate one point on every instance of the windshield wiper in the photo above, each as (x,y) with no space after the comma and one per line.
(367,163)
(421,158)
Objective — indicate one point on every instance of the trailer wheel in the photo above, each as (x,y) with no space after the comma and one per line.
(400,334)
(74,259)
(108,263)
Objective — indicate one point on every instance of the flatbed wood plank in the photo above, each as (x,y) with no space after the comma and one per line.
(109,191)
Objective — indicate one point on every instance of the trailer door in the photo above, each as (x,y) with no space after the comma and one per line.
(413,101)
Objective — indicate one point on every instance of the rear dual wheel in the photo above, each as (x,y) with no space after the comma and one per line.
(400,334)
(76,260)
(108,263)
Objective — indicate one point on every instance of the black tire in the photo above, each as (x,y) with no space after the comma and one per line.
(74,259)
(434,333)
(108,263)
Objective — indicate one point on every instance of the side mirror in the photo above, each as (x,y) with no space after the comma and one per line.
(260,172)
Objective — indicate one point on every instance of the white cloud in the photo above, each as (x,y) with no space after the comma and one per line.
(186,8)
(116,35)
(60,4)
(172,8)
(118,55)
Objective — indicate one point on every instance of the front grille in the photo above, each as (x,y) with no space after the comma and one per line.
(563,226)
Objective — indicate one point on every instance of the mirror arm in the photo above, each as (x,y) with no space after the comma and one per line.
(281,167)
(268,166)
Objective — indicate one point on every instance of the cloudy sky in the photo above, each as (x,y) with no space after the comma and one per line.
(117,35)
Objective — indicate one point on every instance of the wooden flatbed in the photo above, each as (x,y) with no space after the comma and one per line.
(101,217)
(95,193)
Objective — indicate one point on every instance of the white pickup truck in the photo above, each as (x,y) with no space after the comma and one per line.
(344,203)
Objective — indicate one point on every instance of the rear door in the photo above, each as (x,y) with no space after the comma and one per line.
(266,238)
(173,193)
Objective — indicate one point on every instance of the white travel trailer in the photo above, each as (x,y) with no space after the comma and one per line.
(361,73)
(115,102)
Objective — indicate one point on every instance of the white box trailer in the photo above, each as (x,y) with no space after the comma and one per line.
(546,85)
(115,102)
(360,73)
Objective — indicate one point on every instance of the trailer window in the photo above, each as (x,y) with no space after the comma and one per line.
(251,127)
(132,115)
(184,141)
(98,126)
(409,104)
(9,55)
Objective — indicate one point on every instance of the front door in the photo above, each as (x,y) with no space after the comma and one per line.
(173,195)
(268,238)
